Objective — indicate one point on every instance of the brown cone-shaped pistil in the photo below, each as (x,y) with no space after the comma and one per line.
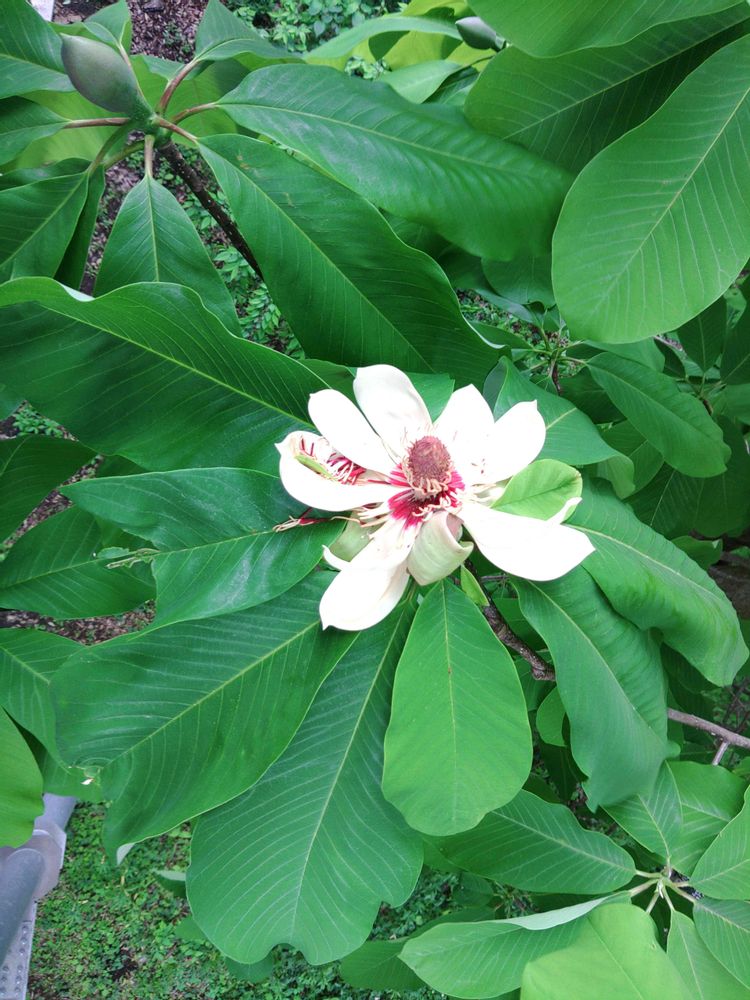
(428,466)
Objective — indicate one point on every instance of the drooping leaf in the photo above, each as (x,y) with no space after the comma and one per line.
(672,190)
(222,35)
(650,581)
(735,361)
(23,121)
(723,870)
(523,279)
(113,21)
(705,978)
(674,422)
(153,240)
(72,267)
(355,301)
(20,786)
(178,735)
(538,846)
(703,335)
(492,198)
(29,52)
(458,742)
(647,461)
(612,688)
(166,370)
(724,927)
(335,51)
(653,817)
(316,846)
(710,798)
(376,965)
(54,569)
(419,82)
(30,468)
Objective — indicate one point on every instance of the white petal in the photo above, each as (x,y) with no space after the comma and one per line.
(341,423)
(525,546)
(392,405)
(465,426)
(314,490)
(359,598)
(565,511)
(436,551)
(516,440)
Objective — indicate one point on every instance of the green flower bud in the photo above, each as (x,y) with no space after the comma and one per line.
(102,75)
(478,34)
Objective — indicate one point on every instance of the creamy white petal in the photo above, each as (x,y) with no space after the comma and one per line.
(465,426)
(341,423)
(436,551)
(392,405)
(359,598)
(315,490)
(565,511)
(515,441)
(525,546)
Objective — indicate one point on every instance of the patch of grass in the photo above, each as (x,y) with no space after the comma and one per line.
(27,421)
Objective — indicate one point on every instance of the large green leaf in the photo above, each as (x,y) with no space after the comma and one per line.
(724,927)
(615,955)
(177,735)
(703,335)
(568,108)
(54,569)
(153,240)
(673,192)
(215,526)
(30,467)
(29,659)
(458,743)
(492,198)
(613,688)
(20,786)
(166,384)
(315,846)
(710,798)
(653,817)
(23,121)
(368,299)
(550,27)
(29,52)
(654,584)
(483,959)
(676,423)
(723,871)
(221,35)
(704,977)
(539,846)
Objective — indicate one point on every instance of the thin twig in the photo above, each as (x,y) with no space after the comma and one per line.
(193,111)
(725,735)
(94,122)
(720,751)
(174,84)
(197,185)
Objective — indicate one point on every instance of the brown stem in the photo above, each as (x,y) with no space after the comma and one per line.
(93,122)
(540,669)
(192,111)
(173,84)
(197,185)
(725,735)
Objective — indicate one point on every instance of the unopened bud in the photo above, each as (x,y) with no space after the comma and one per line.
(478,34)
(102,75)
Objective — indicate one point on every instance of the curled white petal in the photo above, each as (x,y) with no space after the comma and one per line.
(565,511)
(525,546)
(392,405)
(341,423)
(465,426)
(316,490)
(515,441)
(359,598)
(437,551)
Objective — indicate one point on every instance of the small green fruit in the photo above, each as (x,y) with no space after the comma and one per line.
(102,75)
(478,34)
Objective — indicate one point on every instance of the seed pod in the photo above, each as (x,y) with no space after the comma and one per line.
(478,34)
(101,74)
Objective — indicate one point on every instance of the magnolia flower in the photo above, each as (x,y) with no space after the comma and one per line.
(413,486)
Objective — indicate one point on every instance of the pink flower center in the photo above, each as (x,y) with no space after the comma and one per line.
(427,466)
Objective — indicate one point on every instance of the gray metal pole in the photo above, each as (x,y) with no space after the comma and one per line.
(19,878)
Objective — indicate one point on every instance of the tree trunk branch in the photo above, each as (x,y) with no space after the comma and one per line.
(725,735)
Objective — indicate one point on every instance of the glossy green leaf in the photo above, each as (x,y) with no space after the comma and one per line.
(482,959)
(550,27)
(222,35)
(655,585)
(616,954)
(72,267)
(215,526)
(29,52)
(672,190)
(113,21)
(676,423)
(23,121)
(166,370)
(568,108)
(541,490)
(724,927)
(703,336)
(30,468)
(29,659)
(711,797)
(652,817)
(723,871)
(735,362)
(417,83)
(315,846)
(523,279)
(647,461)
(613,689)
(458,743)
(352,301)
(154,240)
(178,735)
(490,197)
(54,569)
(335,51)
(550,719)
(538,846)
(20,786)
(376,965)
(704,977)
